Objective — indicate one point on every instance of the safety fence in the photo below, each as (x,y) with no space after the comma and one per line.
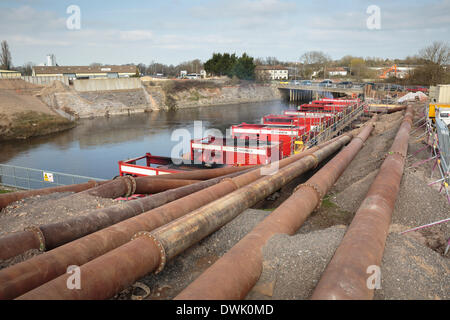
(330,128)
(28,178)
(444,144)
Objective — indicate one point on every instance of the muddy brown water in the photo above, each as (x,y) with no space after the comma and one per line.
(96,145)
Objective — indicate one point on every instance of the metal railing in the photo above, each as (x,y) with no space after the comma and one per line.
(444,144)
(28,178)
(330,128)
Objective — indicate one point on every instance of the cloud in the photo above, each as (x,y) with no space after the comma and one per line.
(136,35)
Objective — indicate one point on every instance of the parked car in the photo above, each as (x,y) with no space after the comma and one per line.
(395,87)
(306,83)
(296,82)
(326,83)
(345,84)
(417,88)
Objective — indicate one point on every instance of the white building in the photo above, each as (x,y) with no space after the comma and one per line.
(51,60)
(339,71)
(271,73)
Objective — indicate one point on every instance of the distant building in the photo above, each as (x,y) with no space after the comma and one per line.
(85,72)
(339,71)
(51,60)
(9,74)
(271,73)
(193,76)
(183,73)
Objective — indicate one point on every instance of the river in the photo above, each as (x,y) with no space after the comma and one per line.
(96,145)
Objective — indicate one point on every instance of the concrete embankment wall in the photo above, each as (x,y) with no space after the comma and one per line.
(45,80)
(107,84)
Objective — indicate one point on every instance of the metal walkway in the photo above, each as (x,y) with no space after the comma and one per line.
(333,129)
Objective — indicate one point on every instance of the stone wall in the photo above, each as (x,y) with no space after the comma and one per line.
(107,84)
(194,97)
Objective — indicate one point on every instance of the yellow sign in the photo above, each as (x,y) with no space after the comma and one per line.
(48,177)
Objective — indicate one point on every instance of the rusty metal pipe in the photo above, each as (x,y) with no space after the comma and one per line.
(201,174)
(126,185)
(40,269)
(7,198)
(235,273)
(46,237)
(347,273)
(103,277)
(160,185)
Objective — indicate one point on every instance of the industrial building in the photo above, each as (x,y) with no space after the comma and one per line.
(9,74)
(85,72)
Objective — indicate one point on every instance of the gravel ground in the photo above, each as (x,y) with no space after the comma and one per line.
(46,209)
(293,266)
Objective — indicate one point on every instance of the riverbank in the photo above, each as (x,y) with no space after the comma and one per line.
(24,115)
(154,96)
(28,110)
(180,94)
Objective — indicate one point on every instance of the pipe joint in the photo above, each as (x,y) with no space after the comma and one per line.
(131,186)
(316,190)
(162,251)
(316,160)
(235,185)
(39,235)
(390,153)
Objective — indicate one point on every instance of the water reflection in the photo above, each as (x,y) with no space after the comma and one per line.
(95,145)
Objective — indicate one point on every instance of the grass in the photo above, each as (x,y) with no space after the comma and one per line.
(4,191)
(327,203)
(30,123)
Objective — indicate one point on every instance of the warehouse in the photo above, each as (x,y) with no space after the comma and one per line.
(85,72)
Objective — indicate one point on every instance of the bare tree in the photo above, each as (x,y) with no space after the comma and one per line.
(434,71)
(314,61)
(26,69)
(437,53)
(5,56)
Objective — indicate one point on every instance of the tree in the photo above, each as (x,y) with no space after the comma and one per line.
(434,70)
(230,65)
(26,69)
(244,68)
(358,67)
(314,61)
(5,56)
(142,68)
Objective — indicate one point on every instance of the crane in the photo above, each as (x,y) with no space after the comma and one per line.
(394,67)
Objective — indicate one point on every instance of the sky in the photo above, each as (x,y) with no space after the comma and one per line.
(173,31)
